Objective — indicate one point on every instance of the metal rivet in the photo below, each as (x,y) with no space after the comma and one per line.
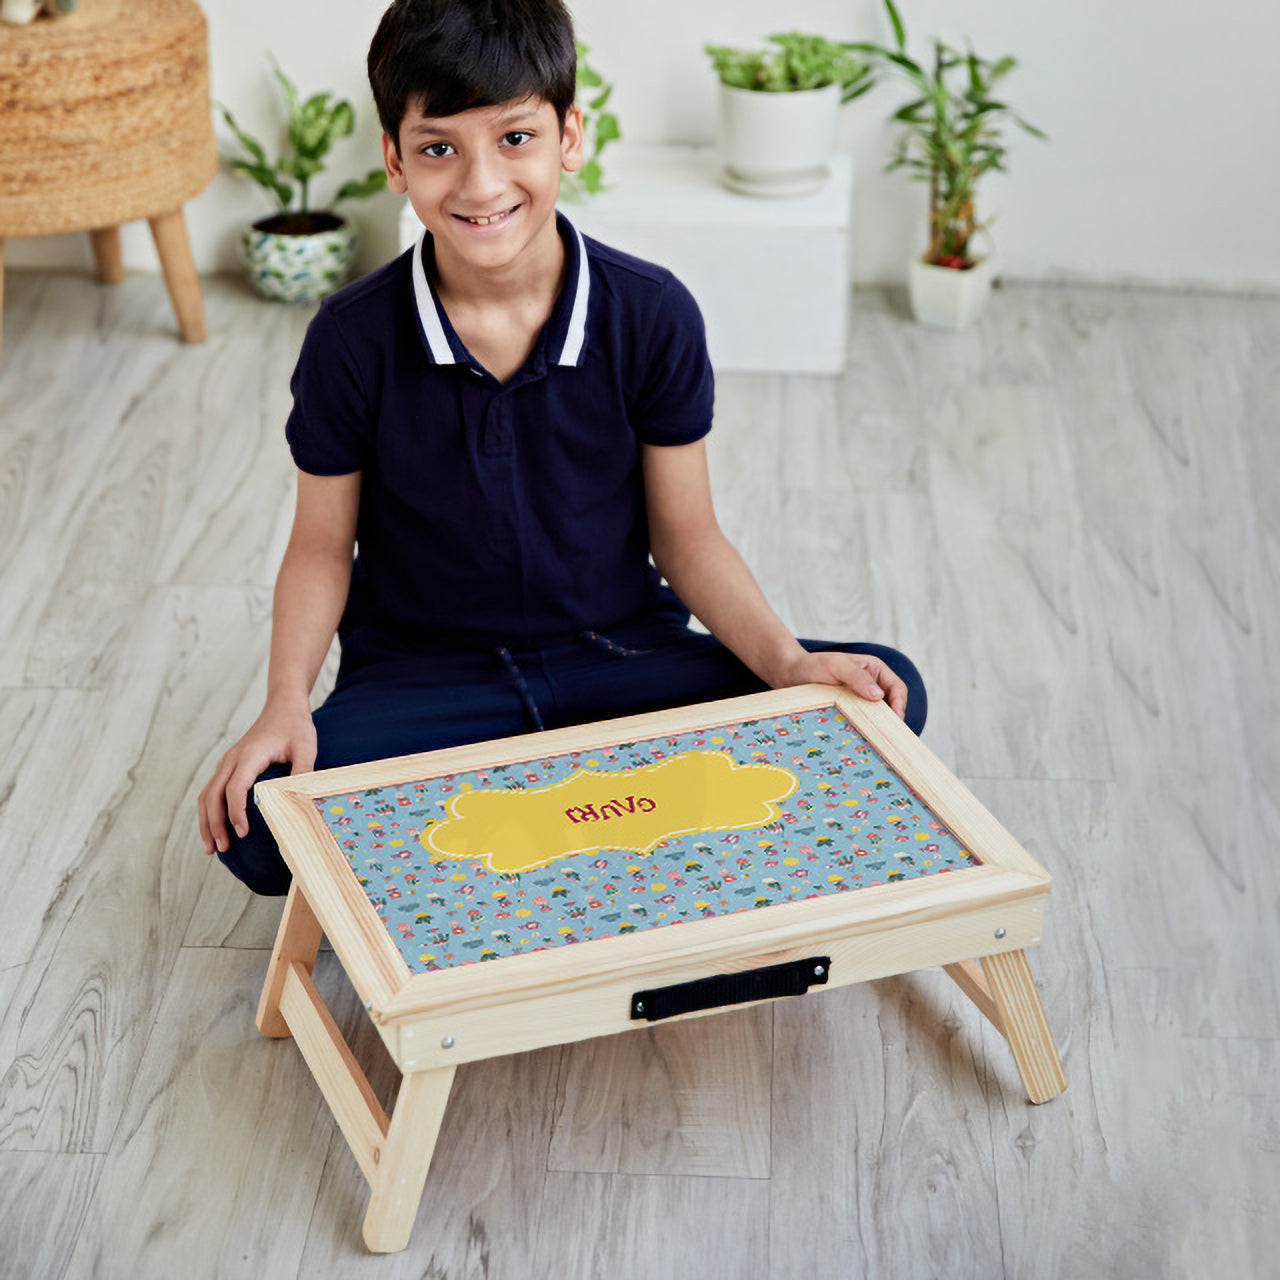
(639,1006)
(999,933)
(818,971)
(447,1043)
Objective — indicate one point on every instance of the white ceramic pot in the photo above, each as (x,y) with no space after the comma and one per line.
(945,298)
(777,144)
(19,11)
(297,268)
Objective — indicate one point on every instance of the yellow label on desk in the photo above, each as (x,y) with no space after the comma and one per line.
(628,809)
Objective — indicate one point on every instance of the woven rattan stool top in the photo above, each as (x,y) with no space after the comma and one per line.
(104,116)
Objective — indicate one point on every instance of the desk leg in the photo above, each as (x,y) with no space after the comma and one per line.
(1003,989)
(169,231)
(108,258)
(297,941)
(1,290)
(406,1157)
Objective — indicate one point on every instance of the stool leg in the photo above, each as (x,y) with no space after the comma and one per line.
(107,256)
(297,941)
(169,231)
(1016,1001)
(406,1157)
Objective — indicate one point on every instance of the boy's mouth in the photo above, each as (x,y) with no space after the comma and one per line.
(487,220)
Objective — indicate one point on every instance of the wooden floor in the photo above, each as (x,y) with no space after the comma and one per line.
(1070,516)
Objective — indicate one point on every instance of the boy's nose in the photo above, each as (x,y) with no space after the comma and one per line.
(482,180)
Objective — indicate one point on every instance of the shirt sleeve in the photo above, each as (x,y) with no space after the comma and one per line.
(677,388)
(330,428)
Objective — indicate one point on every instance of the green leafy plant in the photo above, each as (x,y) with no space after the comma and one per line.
(795,63)
(952,133)
(313,126)
(599,127)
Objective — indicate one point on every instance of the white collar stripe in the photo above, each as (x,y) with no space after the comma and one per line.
(441,351)
(571,352)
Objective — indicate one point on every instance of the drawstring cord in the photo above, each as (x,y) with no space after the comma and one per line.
(609,646)
(522,685)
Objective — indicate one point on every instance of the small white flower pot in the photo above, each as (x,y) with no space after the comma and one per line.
(777,144)
(297,268)
(944,298)
(19,11)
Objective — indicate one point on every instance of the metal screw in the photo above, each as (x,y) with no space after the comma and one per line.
(818,971)
(999,933)
(639,1006)
(447,1042)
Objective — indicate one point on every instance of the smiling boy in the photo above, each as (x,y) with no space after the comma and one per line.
(506,427)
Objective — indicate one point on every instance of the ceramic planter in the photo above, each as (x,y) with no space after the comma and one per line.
(287,266)
(19,11)
(22,11)
(945,298)
(777,144)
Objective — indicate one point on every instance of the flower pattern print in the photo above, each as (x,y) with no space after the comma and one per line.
(850,823)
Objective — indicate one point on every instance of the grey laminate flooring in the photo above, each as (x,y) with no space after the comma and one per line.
(1070,516)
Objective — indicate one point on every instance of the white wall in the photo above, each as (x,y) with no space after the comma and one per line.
(1164,121)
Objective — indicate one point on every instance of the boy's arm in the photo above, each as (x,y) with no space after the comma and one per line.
(713,581)
(311,591)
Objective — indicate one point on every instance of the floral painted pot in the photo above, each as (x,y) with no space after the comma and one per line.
(287,262)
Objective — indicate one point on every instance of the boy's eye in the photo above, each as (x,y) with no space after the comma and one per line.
(437,149)
(516,138)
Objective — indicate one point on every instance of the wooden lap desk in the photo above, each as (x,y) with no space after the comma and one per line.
(538,890)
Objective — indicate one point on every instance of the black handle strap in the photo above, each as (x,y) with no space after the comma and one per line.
(791,979)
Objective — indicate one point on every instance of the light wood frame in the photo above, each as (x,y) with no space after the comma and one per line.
(974,921)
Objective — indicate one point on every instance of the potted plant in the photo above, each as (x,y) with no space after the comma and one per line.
(22,11)
(951,134)
(778,110)
(599,129)
(298,253)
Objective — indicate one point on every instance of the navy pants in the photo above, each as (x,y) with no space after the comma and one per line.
(387,702)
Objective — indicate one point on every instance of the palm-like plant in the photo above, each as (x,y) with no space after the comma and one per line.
(952,133)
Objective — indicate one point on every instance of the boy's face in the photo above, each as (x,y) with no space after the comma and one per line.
(484,182)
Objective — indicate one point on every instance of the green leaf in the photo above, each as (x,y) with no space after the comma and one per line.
(343,120)
(591,176)
(362,188)
(250,144)
(597,103)
(607,129)
(899,31)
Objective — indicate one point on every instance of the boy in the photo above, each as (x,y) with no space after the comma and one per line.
(504,424)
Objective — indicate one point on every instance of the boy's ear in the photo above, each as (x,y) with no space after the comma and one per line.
(571,140)
(395,169)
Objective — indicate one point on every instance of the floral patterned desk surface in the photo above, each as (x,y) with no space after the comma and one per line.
(761,812)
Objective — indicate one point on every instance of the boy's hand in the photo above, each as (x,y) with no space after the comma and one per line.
(866,675)
(280,735)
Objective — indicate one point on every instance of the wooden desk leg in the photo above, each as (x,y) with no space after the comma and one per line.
(406,1157)
(1,292)
(169,231)
(1003,989)
(108,258)
(297,941)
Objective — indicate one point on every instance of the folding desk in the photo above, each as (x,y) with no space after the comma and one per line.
(543,889)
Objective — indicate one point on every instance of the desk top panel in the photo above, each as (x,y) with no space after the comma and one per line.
(510,859)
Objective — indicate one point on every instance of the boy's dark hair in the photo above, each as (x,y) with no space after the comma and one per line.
(446,56)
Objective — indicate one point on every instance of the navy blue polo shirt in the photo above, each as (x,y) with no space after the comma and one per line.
(501,513)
